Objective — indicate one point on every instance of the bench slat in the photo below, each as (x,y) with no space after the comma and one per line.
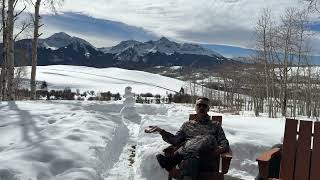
(315,159)
(289,150)
(303,153)
(214,118)
(217,118)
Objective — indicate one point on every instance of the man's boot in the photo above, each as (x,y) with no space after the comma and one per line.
(186,178)
(190,169)
(169,162)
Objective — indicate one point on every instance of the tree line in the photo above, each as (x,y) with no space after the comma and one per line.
(284,75)
(11,11)
(279,78)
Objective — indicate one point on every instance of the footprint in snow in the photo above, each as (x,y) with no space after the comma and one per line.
(132,155)
(51,121)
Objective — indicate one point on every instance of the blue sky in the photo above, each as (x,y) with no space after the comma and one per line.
(105,23)
(100,32)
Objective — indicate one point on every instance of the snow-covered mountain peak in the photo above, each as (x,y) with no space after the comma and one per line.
(60,35)
(197,49)
(130,42)
(122,46)
(61,39)
(126,44)
(163,40)
(163,45)
(81,41)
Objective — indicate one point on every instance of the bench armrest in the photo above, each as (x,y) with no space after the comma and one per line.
(225,161)
(264,159)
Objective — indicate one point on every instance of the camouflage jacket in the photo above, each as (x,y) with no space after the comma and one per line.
(193,129)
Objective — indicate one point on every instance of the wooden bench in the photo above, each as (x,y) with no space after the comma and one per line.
(300,155)
(220,167)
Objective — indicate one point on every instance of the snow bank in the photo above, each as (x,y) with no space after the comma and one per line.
(76,140)
(56,140)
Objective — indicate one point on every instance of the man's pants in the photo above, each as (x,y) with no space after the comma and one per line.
(190,169)
(192,151)
(196,146)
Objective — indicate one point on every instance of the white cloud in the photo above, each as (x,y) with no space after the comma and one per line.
(228,22)
(209,21)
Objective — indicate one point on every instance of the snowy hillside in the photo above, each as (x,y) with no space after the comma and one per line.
(73,140)
(59,77)
(106,79)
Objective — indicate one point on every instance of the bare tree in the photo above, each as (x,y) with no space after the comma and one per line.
(286,53)
(10,49)
(302,51)
(264,30)
(34,48)
(3,75)
(36,24)
(9,17)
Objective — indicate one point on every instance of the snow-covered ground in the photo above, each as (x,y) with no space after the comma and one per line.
(59,77)
(76,140)
(88,140)
(105,79)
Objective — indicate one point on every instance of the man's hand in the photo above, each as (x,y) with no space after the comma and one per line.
(219,151)
(152,129)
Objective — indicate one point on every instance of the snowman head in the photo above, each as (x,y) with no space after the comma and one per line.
(128,90)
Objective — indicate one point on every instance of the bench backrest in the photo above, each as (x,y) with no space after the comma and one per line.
(213,118)
(301,151)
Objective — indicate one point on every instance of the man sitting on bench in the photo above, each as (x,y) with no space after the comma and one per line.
(200,136)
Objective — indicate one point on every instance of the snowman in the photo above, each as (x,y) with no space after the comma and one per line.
(128,110)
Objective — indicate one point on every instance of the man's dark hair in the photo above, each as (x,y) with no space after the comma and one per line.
(203,98)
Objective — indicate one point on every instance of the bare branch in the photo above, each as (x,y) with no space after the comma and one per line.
(313,5)
(15,4)
(24,27)
(32,3)
(32,17)
(54,5)
(17,14)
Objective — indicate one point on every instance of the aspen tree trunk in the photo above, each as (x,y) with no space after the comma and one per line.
(34,49)
(308,103)
(10,50)
(3,83)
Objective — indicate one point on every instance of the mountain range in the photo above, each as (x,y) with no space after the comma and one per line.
(63,49)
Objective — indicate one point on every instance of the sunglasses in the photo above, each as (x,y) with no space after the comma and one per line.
(202,105)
